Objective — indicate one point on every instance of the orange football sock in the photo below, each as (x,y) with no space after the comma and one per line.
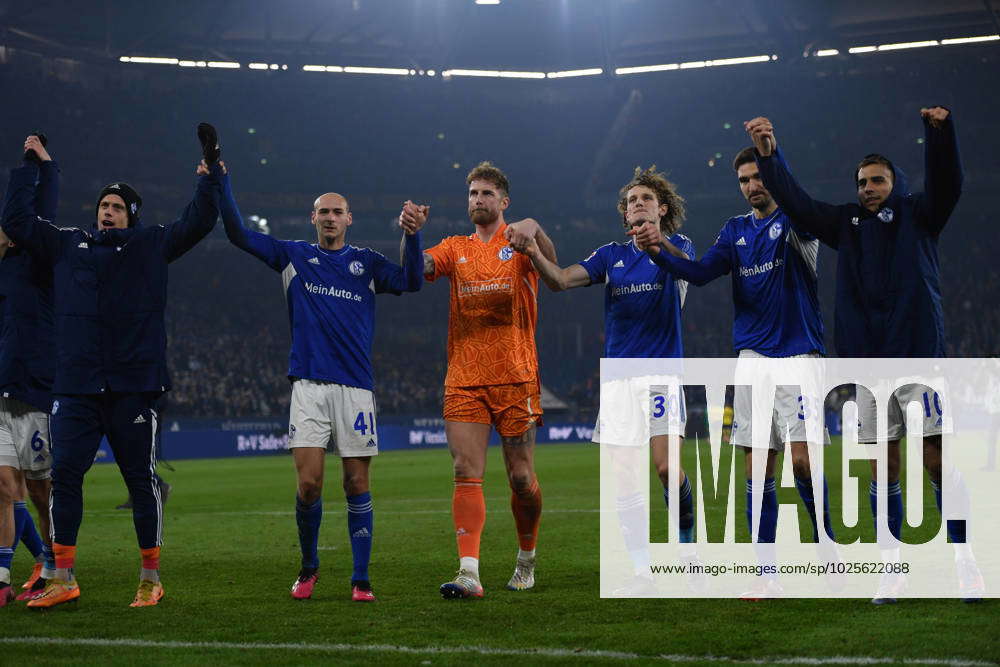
(64,555)
(468,509)
(526,506)
(150,558)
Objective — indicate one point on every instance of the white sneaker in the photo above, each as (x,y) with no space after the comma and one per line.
(697,580)
(524,575)
(464,585)
(970,581)
(764,588)
(890,587)
(637,587)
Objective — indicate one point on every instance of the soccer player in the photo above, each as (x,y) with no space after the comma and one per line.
(492,378)
(773,264)
(330,287)
(888,300)
(110,287)
(27,366)
(642,319)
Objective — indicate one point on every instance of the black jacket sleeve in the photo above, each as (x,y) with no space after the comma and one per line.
(818,218)
(198,217)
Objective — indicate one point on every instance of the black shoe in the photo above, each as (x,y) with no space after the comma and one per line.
(30,154)
(209,139)
(164,491)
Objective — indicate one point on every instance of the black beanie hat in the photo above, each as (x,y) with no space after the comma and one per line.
(133,202)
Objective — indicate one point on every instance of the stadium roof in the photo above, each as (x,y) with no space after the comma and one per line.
(515,34)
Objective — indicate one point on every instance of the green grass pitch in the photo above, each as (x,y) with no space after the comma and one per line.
(231,553)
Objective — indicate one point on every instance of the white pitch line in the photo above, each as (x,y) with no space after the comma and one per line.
(482,650)
(381,512)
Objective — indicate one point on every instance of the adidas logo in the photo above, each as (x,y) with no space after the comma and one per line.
(742,241)
(462,260)
(114,186)
(619,265)
(83,244)
(139,420)
(361,532)
(371,442)
(314,260)
(39,458)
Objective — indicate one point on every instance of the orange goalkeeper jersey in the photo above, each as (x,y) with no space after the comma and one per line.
(493,311)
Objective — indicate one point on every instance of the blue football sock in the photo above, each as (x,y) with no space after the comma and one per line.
(955,528)
(895,507)
(18,523)
(308,518)
(6,558)
(50,557)
(360,525)
(805,489)
(25,527)
(768,511)
(685,513)
(632,518)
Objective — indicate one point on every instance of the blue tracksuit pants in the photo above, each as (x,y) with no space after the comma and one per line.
(78,423)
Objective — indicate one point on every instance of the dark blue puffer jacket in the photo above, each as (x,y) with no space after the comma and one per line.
(888,292)
(110,287)
(27,351)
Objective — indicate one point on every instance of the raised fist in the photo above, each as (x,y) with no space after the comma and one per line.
(413,216)
(934,115)
(34,148)
(762,134)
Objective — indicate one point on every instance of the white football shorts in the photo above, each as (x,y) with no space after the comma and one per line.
(325,413)
(24,439)
(630,404)
(794,384)
(935,419)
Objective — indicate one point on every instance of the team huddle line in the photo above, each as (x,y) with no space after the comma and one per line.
(88,359)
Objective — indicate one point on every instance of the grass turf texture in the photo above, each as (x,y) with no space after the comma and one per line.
(231,554)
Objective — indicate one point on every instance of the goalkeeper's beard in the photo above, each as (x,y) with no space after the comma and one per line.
(484,217)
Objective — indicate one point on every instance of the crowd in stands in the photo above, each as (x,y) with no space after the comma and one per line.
(227,316)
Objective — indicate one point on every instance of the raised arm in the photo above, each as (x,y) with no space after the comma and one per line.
(411,255)
(267,249)
(411,220)
(21,222)
(47,190)
(669,257)
(409,277)
(818,218)
(198,217)
(521,232)
(942,166)
(558,279)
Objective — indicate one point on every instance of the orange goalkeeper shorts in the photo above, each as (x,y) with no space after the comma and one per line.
(511,408)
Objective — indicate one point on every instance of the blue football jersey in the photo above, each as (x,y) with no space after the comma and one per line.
(331,302)
(642,301)
(774,285)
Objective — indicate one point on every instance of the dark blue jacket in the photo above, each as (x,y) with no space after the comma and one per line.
(110,288)
(888,300)
(27,350)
